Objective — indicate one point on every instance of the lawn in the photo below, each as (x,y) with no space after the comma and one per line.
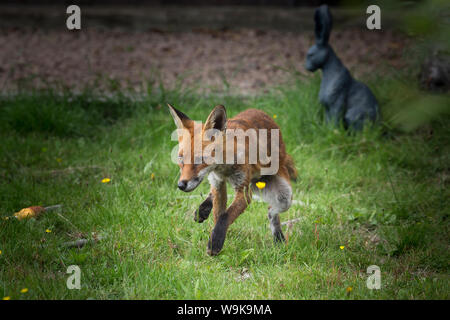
(376,198)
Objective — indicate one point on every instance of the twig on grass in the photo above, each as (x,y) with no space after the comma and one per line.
(289,223)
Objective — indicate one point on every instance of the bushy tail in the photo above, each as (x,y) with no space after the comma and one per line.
(291,168)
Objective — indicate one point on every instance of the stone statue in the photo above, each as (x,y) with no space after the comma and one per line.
(344,98)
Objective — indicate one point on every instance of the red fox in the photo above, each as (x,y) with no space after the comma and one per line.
(235,163)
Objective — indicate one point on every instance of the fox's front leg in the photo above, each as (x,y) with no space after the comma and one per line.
(225,218)
(204,210)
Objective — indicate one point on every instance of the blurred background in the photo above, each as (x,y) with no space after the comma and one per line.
(226,47)
(243,47)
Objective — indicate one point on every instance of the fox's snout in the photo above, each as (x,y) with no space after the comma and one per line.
(189,185)
(182,185)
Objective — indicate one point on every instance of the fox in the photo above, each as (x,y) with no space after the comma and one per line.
(244,176)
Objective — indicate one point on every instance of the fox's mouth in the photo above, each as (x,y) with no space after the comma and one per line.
(192,184)
(188,186)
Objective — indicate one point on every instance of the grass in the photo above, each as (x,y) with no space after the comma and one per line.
(382,194)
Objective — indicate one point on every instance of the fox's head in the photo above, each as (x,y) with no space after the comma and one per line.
(192,160)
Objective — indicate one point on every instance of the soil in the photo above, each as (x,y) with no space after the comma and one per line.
(243,61)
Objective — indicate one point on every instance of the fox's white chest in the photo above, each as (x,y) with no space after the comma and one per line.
(232,175)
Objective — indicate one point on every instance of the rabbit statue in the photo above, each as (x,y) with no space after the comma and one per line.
(344,98)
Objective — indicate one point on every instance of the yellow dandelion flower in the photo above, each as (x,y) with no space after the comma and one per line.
(24,290)
(261,185)
(0,251)
(342,247)
(59,160)
(274,116)
(48,230)
(7,298)
(349,289)
(106,180)
(152,176)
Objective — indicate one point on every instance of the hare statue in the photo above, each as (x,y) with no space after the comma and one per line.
(344,98)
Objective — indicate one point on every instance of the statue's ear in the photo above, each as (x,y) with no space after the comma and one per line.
(217,119)
(181,120)
(324,22)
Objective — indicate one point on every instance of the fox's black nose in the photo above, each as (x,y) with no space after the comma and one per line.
(182,184)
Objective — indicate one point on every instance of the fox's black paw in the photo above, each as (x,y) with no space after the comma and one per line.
(217,238)
(202,213)
(278,237)
(215,243)
(215,246)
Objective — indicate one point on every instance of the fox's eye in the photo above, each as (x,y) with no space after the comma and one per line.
(180,160)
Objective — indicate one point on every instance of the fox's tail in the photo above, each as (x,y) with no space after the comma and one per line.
(291,168)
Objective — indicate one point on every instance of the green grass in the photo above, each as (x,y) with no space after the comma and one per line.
(382,194)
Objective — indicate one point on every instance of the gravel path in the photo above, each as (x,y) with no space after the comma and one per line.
(245,61)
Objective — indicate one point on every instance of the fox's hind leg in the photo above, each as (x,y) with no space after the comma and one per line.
(204,210)
(275,226)
(278,194)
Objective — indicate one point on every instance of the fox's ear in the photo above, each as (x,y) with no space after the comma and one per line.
(323,19)
(179,117)
(217,119)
